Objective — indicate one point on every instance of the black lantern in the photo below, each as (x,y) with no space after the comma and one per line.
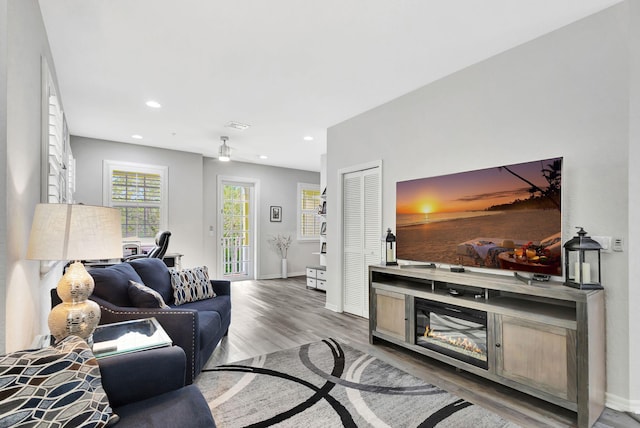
(389,249)
(582,262)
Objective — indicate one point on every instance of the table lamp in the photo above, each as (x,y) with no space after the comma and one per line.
(73,233)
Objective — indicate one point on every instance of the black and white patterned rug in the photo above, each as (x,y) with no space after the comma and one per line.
(328,384)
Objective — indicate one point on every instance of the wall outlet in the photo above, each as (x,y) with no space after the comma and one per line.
(618,244)
(41,341)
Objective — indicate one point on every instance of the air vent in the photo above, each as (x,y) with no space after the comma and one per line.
(237,125)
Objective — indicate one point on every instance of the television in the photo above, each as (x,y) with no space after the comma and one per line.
(508,217)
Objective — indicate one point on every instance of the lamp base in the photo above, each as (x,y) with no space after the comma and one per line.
(78,319)
(76,315)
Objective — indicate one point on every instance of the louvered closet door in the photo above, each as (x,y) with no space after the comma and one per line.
(361,236)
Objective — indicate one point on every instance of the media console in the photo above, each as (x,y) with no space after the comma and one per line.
(544,339)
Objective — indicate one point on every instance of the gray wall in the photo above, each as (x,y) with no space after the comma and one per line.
(278,186)
(564,94)
(193,199)
(25,300)
(185,187)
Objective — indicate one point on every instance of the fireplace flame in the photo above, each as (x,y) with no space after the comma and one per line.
(466,344)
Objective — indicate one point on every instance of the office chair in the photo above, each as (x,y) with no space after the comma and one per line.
(157,252)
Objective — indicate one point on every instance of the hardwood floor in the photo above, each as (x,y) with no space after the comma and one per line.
(271,315)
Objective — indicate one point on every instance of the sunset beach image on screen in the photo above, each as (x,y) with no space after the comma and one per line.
(504,217)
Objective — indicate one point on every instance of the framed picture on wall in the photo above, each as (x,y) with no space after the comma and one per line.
(275,213)
(323,248)
(323,228)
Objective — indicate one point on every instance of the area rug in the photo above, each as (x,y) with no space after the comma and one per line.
(328,384)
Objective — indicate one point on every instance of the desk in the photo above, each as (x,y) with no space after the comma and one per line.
(129,336)
(173,260)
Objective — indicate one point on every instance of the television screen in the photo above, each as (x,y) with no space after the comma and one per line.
(506,217)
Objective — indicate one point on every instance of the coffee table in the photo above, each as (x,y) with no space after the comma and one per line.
(129,336)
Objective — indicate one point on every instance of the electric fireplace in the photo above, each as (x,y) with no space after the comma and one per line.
(458,332)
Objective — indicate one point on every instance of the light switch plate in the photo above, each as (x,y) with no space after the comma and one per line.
(618,244)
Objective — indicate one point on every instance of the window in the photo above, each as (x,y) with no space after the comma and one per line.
(308,206)
(140,192)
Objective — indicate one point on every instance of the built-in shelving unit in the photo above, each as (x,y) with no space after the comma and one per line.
(322,212)
(316,275)
(544,338)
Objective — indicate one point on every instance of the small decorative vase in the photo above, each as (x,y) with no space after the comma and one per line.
(284,268)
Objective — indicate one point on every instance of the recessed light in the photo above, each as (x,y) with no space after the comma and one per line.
(263,157)
(136,137)
(153,104)
(308,138)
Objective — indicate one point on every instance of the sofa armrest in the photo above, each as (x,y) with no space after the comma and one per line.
(221,287)
(182,326)
(133,377)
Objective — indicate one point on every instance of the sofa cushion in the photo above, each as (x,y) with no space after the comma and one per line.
(58,386)
(190,285)
(112,283)
(221,304)
(155,275)
(183,407)
(144,297)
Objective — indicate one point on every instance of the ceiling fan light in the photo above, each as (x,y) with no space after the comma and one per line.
(224,154)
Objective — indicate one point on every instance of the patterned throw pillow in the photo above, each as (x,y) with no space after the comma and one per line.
(190,285)
(55,386)
(144,297)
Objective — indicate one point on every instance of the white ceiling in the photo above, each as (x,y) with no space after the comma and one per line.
(289,68)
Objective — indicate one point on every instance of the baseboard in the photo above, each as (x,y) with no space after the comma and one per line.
(332,307)
(622,404)
(278,276)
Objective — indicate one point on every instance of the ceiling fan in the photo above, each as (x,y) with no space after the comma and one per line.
(224,154)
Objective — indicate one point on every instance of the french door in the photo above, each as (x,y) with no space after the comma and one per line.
(361,220)
(236,229)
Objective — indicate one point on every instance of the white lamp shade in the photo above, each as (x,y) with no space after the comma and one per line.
(75,232)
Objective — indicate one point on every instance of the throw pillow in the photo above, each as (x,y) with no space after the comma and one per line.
(144,297)
(190,285)
(54,386)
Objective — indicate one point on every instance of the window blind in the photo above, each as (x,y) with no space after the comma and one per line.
(139,197)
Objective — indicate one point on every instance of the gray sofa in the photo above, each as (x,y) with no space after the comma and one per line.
(146,389)
(197,327)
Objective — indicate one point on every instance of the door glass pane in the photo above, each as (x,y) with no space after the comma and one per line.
(236,231)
